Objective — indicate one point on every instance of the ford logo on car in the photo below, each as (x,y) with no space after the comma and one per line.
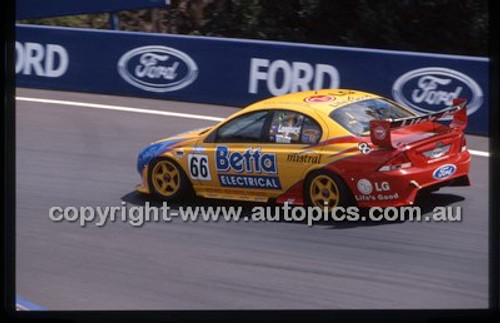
(444,171)
(433,88)
(157,68)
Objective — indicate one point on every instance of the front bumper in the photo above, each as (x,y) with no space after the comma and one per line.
(400,187)
(144,186)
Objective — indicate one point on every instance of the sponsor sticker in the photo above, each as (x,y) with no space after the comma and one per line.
(364,148)
(350,99)
(380,133)
(179,153)
(250,181)
(198,149)
(304,158)
(289,129)
(444,171)
(250,162)
(282,139)
(310,136)
(365,186)
(319,99)
(379,197)
(381,191)
(157,68)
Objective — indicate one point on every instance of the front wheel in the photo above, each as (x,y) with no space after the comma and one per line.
(167,180)
(325,189)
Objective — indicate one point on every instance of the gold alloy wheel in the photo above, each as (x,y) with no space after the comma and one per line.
(324,192)
(166,178)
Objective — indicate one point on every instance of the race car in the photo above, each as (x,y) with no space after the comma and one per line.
(325,148)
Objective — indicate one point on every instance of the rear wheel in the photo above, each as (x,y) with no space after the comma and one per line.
(168,181)
(323,188)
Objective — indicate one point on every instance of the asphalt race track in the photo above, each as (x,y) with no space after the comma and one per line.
(80,156)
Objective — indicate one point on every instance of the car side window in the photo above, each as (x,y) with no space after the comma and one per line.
(290,127)
(311,132)
(245,128)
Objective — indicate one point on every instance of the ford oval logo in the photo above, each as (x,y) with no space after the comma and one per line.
(157,68)
(444,171)
(433,88)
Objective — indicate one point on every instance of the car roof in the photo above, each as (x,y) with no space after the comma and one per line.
(308,100)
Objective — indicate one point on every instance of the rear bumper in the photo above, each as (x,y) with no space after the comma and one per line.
(400,187)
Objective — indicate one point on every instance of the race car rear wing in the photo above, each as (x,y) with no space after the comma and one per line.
(380,130)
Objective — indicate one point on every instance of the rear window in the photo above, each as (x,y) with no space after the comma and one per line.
(356,117)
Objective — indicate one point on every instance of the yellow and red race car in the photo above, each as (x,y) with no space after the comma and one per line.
(330,147)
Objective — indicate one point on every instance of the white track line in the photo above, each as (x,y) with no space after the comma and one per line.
(158,112)
(121,108)
(479,153)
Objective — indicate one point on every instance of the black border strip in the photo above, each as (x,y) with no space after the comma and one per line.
(494,194)
(7,55)
(9,181)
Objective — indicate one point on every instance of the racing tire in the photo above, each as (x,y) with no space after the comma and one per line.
(167,181)
(323,187)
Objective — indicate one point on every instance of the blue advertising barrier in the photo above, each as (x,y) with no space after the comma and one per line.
(240,72)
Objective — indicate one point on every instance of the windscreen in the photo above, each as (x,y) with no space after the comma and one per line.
(356,117)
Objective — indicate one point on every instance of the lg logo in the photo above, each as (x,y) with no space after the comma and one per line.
(281,77)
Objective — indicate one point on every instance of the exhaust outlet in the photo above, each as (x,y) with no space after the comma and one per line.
(414,183)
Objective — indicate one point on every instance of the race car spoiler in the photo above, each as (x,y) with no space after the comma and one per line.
(380,130)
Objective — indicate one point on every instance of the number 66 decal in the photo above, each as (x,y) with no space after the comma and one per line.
(364,148)
(198,167)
